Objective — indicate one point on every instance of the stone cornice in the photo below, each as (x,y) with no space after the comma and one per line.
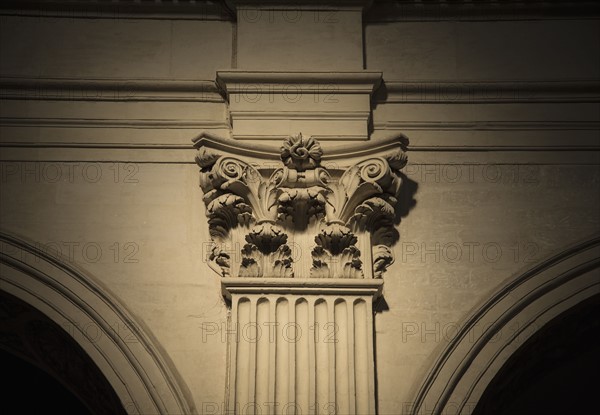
(375,11)
(314,82)
(126,89)
(487,91)
(119,9)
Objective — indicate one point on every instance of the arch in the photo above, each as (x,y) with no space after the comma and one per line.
(120,347)
(497,328)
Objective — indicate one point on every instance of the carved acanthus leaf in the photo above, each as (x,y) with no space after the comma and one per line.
(276,264)
(346,264)
(374,213)
(226,212)
(296,204)
(382,259)
(335,238)
(267,237)
(320,259)
(251,262)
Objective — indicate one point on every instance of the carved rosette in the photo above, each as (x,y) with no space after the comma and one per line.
(341,218)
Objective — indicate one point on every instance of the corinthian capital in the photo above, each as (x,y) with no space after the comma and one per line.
(265,204)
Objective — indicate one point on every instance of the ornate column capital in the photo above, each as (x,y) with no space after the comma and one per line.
(297,212)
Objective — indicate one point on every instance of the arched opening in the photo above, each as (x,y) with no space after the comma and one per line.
(526,320)
(45,370)
(555,372)
(75,304)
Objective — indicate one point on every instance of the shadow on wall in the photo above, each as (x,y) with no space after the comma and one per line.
(406,203)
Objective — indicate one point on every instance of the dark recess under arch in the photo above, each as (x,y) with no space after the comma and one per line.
(44,370)
(555,372)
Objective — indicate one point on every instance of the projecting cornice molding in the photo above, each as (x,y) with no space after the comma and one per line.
(300,4)
(289,214)
(474,92)
(126,89)
(375,11)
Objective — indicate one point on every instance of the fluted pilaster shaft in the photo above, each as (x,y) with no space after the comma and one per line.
(301,346)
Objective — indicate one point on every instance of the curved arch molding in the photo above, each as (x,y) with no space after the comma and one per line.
(461,373)
(101,325)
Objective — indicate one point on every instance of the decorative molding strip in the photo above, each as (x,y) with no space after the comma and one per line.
(119,9)
(104,145)
(518,91)
(313,286)
(68,89)
(480,10)
(112,123)
(503,148)
(487,125)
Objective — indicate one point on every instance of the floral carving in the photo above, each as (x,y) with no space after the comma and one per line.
(301,154)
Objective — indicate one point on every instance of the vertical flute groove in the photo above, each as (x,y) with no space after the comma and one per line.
(243,355)
(302,358)
(282,357)
(341,358)
(321,357)
(261,392)
(361,362)
(351,369)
